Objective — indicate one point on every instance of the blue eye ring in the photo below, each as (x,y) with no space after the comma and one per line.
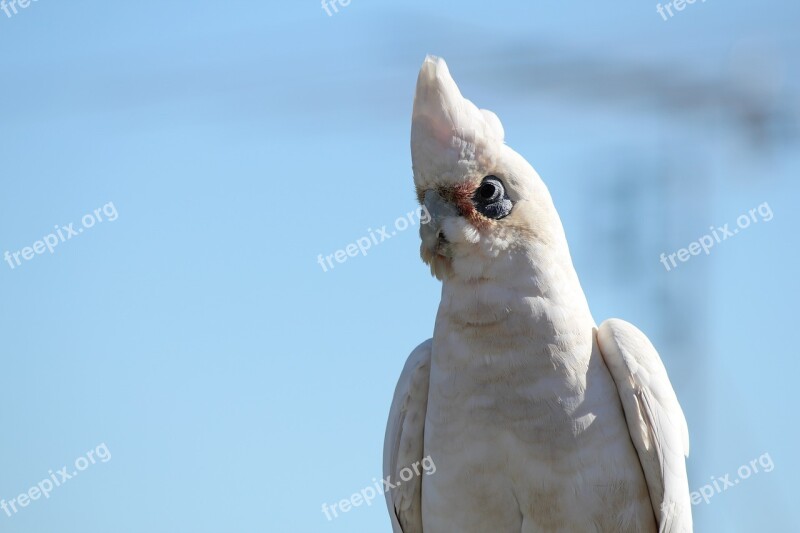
(490,199)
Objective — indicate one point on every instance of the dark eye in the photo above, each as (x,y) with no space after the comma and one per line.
(491,200)
(490,190)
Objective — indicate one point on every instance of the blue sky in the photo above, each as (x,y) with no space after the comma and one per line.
(237,386)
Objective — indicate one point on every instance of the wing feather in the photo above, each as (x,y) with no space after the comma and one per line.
(655,420)
(404,444)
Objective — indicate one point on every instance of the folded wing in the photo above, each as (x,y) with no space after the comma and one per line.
(404,444)
(655,420)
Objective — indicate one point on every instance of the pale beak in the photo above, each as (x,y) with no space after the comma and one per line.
(433,238)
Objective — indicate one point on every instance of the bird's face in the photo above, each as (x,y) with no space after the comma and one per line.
(486,202)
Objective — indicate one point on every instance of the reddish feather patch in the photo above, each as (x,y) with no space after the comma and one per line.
(461,197)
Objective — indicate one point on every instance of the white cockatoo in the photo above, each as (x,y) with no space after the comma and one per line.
(536,419)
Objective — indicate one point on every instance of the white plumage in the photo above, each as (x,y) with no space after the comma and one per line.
(536,419)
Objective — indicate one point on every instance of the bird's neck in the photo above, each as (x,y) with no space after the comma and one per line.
(522,297)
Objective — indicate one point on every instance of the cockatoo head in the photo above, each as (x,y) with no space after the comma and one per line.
(490,211)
